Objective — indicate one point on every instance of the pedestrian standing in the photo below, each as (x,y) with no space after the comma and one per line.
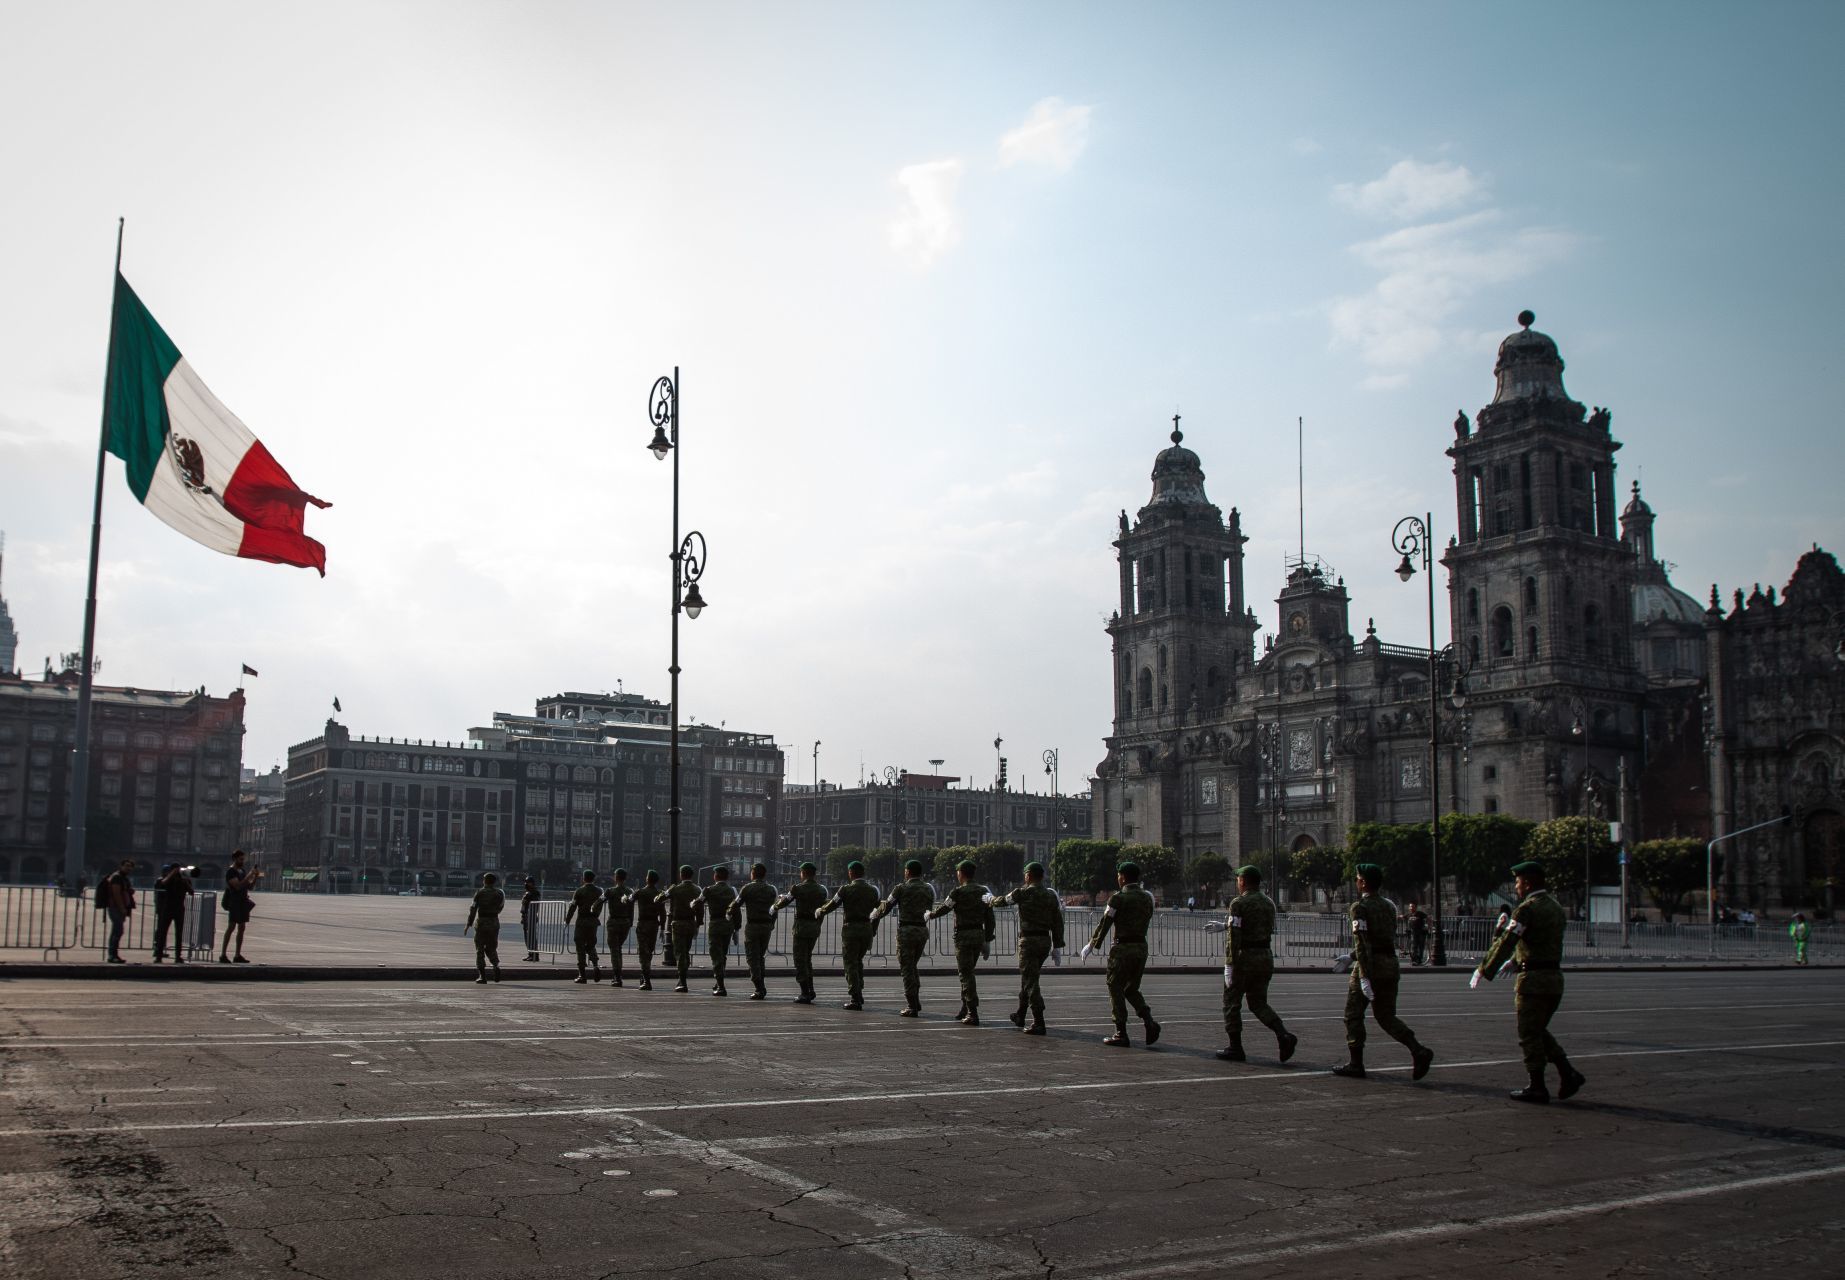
(1249,966)
(754,913)
(1040,937)
(1534,935)
(973,908)
(649,917)
(806,897)
(239,880)
(719,898)
(1129,912)
(855,901)
(585,906)
(116,894)
(619,902)
(911,901)
(484,919)
(1376,974)
(170,894)
(528,916)
(1418,933)
(685,906)
(1799,930)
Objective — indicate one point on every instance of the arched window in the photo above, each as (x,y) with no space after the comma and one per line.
(1502,632)
(1145,701)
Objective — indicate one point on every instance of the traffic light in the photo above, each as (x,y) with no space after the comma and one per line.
(1002,773)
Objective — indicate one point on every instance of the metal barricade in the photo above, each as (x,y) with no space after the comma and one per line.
(37,918)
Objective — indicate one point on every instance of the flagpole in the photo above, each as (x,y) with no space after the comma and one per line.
(80,762)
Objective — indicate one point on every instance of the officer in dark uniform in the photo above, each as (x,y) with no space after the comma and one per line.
(649,918)
(973,908)
(1375,975)
(911,901)
(806,897)
(1534,933)
(855,901)
(1249,965)
(484,919)
(1129,912)
(1040,937)
(620,903)
(685,910)
(719,898)
(754,913)
(585,906)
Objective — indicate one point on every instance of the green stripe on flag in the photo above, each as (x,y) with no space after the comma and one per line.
(140,358)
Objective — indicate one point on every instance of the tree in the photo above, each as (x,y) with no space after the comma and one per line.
(884,866)
(946,860)
(1000,864)
(1561,845)
(1159,866)
(837,858)
(1669,870)
(1478,850)
(1084,866)
(1320,867)
(1209,872)
(1401,851)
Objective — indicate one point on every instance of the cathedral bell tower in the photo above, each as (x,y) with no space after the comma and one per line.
(1181,634)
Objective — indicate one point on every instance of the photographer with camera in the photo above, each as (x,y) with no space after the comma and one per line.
(238,881)
(170,894)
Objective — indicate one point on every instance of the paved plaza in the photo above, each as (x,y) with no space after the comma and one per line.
(541,1129)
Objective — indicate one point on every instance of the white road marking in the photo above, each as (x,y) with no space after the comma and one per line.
(745,1104)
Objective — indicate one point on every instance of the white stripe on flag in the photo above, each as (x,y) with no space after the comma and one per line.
(194,414)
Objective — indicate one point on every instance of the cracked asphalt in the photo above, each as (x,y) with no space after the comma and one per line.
(542,1129)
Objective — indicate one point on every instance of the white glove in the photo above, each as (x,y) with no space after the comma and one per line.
(1364,985)
(1087,948)
(1228,977)
(1473,981)
(988,898)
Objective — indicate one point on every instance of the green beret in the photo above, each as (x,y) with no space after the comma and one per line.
(1371,871)
(685,872)
(808,866)
(968,866)
(653,877)
(1034,868)
(1129,869)
(855,868)
(621,873)
(1530,869)
(913,867)
(1249,871)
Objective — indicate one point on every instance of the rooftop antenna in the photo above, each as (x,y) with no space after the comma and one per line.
(1300,453)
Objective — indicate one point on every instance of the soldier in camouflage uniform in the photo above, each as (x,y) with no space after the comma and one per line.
(585,906)
(911,901)
(620,903)
(685,910)
(719,899)
(1040,937)
(1375,975)
(973,908)
(806,896)
(1129,912)
(1535,934)
(649,916)
(855,900)
(484,917)
(754,913)
(1249,965)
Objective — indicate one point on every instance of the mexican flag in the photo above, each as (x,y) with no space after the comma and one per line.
(190,460)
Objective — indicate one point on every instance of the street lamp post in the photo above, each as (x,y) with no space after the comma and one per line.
(688,558)
(1269,745)
(1050,767)
(1580,729)
(1412,538)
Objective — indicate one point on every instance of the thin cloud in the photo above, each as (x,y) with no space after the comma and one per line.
(1053,135)
(1410,189)
(929,225)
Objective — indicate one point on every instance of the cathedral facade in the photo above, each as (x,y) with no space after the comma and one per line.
(1579,680)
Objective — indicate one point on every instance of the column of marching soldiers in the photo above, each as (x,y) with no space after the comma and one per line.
(1529,938)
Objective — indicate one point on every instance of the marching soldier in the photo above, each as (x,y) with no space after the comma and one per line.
(719,898)
(855,900)
(973,908)
(1129,912)
(1375,975)
(484,917)
(1249,965)
(1040,936)
(649,917)
(754,913)
(806,896)
(911,901)
(1535,935)
(585,906)
(685,908)
(620,902)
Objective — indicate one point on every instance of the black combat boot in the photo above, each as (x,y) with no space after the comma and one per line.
(973,1016)
(1119,1040)
(1017,1018)
(911,1011)
(1037,1023)
(1355,1069)
(646,983)
(581,979)
(761,992)
(1419,1060)
(1153,1030)
(1533,1092)
(1287,1040)
(1234,1051)
(1573,1080)
(961,1012)
(806,997)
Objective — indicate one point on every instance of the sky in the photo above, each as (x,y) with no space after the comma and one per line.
(936,278)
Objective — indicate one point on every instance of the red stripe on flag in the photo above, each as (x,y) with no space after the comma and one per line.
(271,506)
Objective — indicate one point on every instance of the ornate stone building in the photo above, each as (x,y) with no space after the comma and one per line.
(1582,665)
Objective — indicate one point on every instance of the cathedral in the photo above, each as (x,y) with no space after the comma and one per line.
(1579,680)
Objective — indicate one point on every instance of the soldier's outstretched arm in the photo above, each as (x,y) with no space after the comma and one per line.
(1361,935)
(1102,926)
(940,909)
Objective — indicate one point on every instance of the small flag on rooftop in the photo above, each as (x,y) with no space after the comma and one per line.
(248,670)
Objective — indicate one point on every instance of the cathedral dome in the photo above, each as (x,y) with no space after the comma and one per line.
(1660,601)
(1636,505)
(1529,367)
(1178,475)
